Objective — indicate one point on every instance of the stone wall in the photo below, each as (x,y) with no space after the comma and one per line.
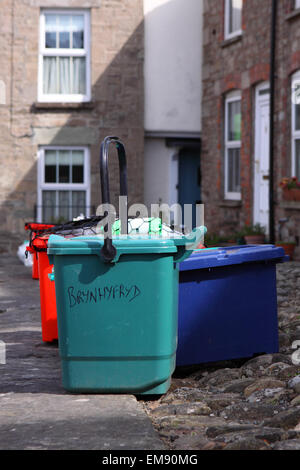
(116,106)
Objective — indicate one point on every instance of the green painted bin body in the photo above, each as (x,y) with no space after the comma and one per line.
(117,322)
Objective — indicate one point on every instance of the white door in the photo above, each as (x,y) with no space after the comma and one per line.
(262,151)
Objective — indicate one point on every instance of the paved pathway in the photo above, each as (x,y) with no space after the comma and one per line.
(35,411)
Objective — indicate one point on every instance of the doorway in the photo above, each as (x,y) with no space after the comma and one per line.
(189,179)
(261,156)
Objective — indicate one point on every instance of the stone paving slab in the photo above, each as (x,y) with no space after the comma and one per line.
(35,411)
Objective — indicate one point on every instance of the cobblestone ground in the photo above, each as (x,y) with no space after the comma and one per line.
(242,405)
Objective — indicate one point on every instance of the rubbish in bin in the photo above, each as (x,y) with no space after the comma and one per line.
(148,225)
(228,304)
(117,303)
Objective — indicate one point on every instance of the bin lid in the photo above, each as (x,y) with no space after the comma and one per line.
(40,242)
(180,246)
(37,226)
(226,256)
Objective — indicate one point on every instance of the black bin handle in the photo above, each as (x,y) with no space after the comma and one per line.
(108,251)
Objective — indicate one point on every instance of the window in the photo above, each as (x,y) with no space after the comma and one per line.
(233,18)
(232,145)
(63,183)
(64,62)
(296,124)
(297,4)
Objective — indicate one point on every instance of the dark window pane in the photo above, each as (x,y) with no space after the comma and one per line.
(297,156)
(64,173)
(234,121)
(234,170)
(50,166)
(64,159)
(50,40)
(64,40)
(77,166)
(238,172)
(297,123)
(50,174)
(77,174)
(77,31)
(64,28)
(78,40)
(51,29)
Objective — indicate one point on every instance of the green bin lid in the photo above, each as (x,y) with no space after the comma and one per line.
(180,246)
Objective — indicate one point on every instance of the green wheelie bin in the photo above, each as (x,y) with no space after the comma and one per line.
(117,304)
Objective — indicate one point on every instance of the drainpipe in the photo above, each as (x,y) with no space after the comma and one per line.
(272,109)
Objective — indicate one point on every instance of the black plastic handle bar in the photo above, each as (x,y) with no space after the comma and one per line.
(108,251)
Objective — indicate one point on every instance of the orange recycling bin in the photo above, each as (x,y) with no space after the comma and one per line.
(47,290)
(35,268)
(35,229)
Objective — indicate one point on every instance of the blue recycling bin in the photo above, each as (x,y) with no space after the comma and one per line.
(228,304)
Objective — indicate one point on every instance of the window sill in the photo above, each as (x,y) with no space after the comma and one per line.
(292,205)
(233,40)
(62,106)
(293,14)
(230,203)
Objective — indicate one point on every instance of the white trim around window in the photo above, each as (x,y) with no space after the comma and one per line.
(295,143)
(232,147)
(83,186)
(74,62)
(233,18)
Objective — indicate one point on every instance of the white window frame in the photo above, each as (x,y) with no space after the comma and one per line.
(295,133)
(43,186)
(228,34)
(228,145)
(44,52)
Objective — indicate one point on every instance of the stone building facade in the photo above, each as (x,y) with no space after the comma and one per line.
(235,113)
(70,75)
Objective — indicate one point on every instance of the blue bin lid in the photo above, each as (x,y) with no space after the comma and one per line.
(211,258)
